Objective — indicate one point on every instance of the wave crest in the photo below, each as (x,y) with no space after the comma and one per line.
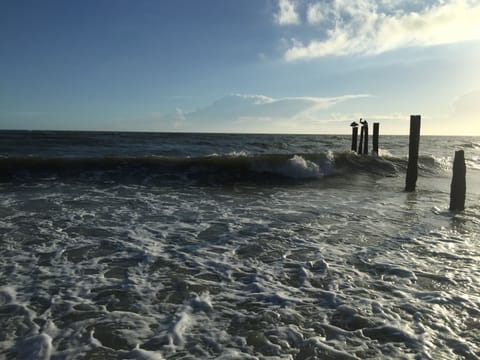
(232,167)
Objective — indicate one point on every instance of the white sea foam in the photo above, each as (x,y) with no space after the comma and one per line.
(385,153)
(322,269)
(302,168)
(298,167)
(241,153)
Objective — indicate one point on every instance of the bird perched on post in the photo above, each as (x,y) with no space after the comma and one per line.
(353,124)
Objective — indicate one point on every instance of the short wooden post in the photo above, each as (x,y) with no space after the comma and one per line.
(360,144)
(354,126)
(414,142)
(458,186)
(365,139)
(376,131)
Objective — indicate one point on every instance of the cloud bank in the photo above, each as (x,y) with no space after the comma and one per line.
(246,113)
(259,113)
(369,27)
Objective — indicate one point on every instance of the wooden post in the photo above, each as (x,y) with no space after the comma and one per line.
(376,131)
(360,145)
(458,186)
(365,139)
(414,142)
(354,126)
(354,138)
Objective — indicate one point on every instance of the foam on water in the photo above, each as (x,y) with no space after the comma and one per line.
(341,267)
(301,168)
(143,272)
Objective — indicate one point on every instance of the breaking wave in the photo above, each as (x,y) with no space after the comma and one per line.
(232,167)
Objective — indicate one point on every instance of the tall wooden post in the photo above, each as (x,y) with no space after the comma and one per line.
(458,186)
(365,139)
(360,145)
(354,126)
(414,142)
(376,132)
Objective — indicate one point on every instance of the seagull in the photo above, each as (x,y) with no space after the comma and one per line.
(353,124)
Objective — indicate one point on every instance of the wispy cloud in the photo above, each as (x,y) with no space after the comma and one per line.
(287,13)
(374,27)
(259,113)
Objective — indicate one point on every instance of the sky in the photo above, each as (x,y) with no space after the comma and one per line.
(254,66)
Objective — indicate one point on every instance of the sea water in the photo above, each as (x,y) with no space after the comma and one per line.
(192,246)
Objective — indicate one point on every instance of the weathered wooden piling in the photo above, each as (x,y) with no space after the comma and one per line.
(414,142)
(458,186)
(365,139)
(360,144)
(354,126)
(376,132)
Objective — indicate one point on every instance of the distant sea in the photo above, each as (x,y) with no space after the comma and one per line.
(199,246)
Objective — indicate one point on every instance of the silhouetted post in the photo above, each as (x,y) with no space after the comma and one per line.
(376,131)
(365,139)
(354,126)
(458,186)
(360,145)
(414,142)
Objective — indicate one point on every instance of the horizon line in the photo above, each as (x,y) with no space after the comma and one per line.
(217,132)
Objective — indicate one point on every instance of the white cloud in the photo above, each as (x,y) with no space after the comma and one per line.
(371,27)
(247,113)
(259,113)
(287,13)
(315,14)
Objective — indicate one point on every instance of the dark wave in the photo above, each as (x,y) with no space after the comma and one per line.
(218,168)
(470,145)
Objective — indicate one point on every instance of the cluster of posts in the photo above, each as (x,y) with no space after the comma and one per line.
(458,185)
(362,146)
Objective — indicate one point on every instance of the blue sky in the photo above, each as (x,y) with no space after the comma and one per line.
(301,66)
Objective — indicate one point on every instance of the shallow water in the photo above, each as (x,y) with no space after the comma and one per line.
(337,266)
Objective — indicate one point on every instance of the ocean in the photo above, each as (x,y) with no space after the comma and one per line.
(222,246)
